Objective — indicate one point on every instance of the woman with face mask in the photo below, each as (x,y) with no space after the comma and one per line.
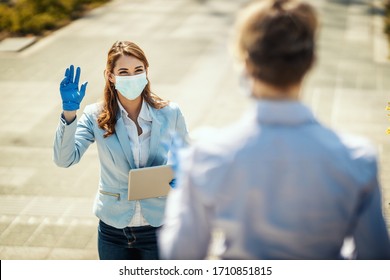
(133,128)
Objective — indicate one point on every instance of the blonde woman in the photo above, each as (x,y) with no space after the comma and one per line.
(133,128)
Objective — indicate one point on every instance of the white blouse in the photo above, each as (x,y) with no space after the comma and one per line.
(140,145)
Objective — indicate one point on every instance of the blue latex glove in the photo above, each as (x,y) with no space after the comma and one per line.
(69,88)
(172,183)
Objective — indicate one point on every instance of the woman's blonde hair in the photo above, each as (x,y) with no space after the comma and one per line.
(108,116)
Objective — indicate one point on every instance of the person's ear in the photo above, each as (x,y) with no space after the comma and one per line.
(248,68)
(109,76)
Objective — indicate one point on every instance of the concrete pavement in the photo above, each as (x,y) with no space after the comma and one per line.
(46,211)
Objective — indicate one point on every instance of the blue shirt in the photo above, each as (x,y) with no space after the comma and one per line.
(277,185)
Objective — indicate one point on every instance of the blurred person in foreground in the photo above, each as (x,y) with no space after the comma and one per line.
(278,184)
(133,128)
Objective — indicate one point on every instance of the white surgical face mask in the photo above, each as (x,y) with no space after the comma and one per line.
(131,86)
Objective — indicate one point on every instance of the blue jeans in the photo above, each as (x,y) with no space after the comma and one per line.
(130,243)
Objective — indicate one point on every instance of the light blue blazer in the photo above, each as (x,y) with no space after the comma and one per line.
(116,159)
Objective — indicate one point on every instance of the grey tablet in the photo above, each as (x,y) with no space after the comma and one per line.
(149,182)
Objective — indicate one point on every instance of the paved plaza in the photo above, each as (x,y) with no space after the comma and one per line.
(46,211)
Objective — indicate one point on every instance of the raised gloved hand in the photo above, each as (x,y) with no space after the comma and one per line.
(69,88)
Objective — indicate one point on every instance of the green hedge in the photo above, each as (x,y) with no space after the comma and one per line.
(22,17)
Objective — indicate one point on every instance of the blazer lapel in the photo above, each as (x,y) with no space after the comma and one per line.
(154,137)
(124,141)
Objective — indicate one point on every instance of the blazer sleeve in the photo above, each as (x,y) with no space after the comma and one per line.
(72,140)
(181,127)
(180,137)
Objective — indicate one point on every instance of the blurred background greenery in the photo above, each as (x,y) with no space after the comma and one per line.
(36,17)
(387,18)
